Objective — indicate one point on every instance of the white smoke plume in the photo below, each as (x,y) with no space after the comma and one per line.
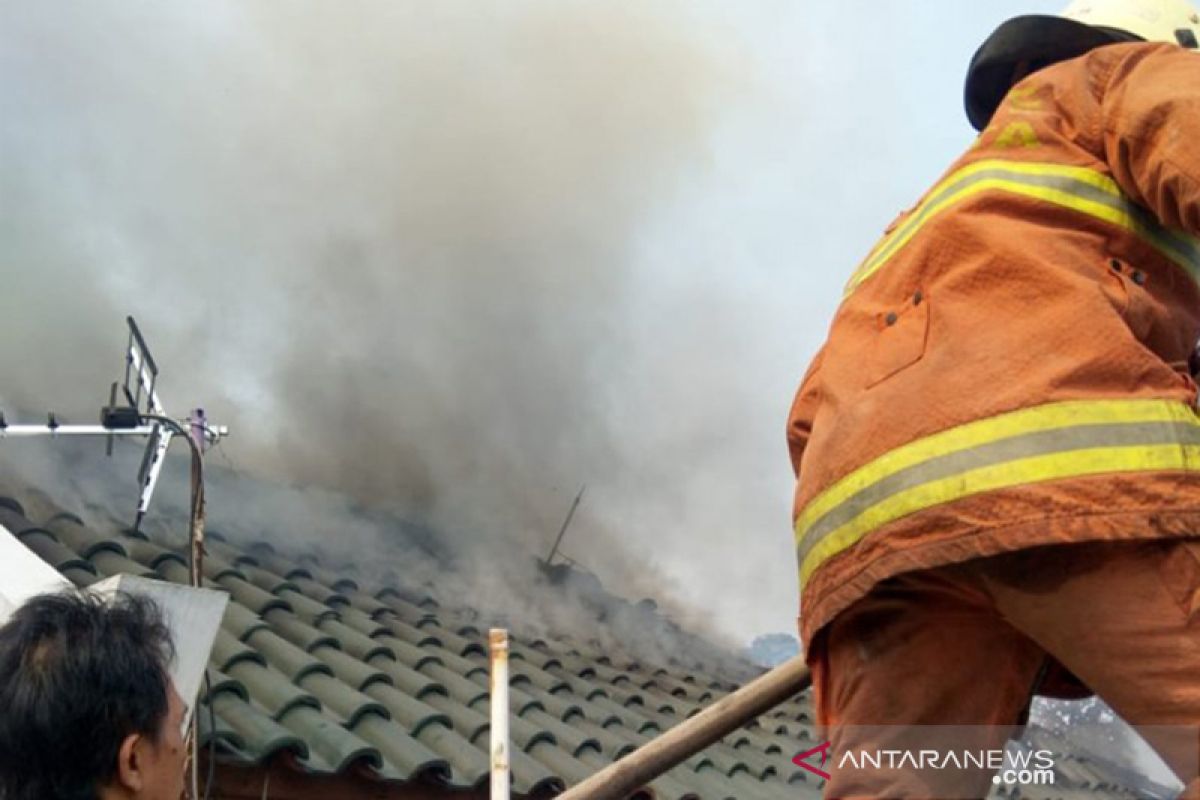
(395,246)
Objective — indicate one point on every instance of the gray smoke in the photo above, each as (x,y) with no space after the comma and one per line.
(375,547)
(1090,729)
(395,247)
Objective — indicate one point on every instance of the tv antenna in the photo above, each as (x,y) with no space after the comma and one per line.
(135,409)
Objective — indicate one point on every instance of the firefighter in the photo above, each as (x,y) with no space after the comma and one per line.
(997,447)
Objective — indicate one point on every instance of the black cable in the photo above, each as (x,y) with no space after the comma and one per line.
(212,737)
(195,520)
(197,481)
(220,450)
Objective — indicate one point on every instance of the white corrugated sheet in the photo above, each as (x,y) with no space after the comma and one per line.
(23,575)
(193,615)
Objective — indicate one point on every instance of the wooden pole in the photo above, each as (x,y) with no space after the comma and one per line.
(675,746)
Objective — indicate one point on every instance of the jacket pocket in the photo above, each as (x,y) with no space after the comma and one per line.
(1125,287)
(901,336)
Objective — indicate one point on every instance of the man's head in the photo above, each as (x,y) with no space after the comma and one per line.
(1028,43)
(87,708)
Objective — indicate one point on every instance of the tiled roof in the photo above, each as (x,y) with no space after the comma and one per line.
(315,664)
(316,667)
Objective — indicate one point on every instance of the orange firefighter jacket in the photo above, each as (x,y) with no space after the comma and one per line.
(1009,365)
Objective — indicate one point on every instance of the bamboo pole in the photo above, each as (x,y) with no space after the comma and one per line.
(654,758)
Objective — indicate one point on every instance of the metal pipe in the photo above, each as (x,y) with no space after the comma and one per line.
(73,430)
(566,524)
(675,746)
(498,646)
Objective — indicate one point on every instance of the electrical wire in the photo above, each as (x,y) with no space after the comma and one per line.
(219,449)
(195,566)
(196,521)
(212,737)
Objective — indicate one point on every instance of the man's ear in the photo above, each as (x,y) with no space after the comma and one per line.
(130,763)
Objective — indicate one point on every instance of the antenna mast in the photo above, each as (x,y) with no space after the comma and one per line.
(566,524)
(141,414)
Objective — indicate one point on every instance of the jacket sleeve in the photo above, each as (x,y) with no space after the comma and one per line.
(1150,128)
(804,409)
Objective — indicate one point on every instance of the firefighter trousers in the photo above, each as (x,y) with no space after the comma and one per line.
(968,644)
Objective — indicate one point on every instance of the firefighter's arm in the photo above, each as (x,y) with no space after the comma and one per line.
(804,408)
(1150,118)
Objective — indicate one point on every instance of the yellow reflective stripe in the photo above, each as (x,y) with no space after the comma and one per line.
(1176,245)
(1052,466)
(1065,416)
(933,203)
(974,434)
(902,235)
(1081,174)
(1077,188)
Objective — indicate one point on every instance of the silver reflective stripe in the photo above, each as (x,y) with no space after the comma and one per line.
(1076,194)
(1060,440)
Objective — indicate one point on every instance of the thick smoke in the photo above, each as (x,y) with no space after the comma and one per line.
(396,247)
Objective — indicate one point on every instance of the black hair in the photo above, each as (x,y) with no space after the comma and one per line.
(78,674)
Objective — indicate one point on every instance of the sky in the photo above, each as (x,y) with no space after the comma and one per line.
(462,258)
